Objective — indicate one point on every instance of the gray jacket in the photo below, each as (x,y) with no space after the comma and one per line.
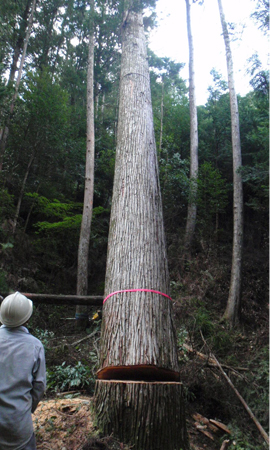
(22,385)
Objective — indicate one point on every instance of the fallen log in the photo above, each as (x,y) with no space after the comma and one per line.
(207,426)
(203,430)
(220,425)
(53,299)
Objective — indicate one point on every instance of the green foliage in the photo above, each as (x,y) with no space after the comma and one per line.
(3,282)
(218,338)
(203,322)
(7,209)
(57,224)
(261,15)
(67,223)
(175,185)
(256,388)
(212,196)
(181,336)
(7,212)
(44,336)
(6,246)
(242,440)
(52,208)
(256,179)
(61,378)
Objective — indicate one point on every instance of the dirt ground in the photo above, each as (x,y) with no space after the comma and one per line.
(67,424)
(63,424)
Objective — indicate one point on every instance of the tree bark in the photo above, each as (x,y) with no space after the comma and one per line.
(25,45)
(233,304)
(140,422)
(161,119)
(138,339)
(83,250)
(19,42)
(194,142)
(136,256)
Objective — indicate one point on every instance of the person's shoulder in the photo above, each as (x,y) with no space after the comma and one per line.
(33,339)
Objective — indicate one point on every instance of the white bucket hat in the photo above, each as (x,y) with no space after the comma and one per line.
(15,310)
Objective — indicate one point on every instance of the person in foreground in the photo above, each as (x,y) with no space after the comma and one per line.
(22,374)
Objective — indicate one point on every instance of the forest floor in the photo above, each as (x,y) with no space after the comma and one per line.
(214,414)
(68,424)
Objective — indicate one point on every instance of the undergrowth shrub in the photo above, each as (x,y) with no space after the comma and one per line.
(256,387)
(240,440)
(44,336)
(62,378)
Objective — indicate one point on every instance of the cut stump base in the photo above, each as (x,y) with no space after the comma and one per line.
(147,415)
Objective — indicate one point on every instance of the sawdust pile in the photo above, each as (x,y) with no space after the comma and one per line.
(63,424)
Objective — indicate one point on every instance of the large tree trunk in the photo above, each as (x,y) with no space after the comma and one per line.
(83,250)
(138,339)
(145,423)
(192,207)
(233,305)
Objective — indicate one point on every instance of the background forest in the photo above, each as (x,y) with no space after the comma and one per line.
(42,158)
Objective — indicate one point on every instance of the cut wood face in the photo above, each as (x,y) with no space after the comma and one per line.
(138,373)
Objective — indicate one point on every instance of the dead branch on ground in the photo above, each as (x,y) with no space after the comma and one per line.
(247,408)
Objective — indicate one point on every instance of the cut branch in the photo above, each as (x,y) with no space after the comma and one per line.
(211,361)
(247,408)
(225,444)
(85,338)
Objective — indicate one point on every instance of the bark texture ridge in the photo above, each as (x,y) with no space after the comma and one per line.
(137,326)
(138,342)
(145,424)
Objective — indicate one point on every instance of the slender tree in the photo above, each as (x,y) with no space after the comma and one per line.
(161,117)
(192,207)
(83,250)
(138,395)
(233,304)
(25,41)
(22,190)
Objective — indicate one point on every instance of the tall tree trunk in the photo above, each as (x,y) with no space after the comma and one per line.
(161,119)
(138,344)
(83,250)
(34,202)
(25,45)
(192,207)
(5,133)
(233,304)
(18,207)
(19,43)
